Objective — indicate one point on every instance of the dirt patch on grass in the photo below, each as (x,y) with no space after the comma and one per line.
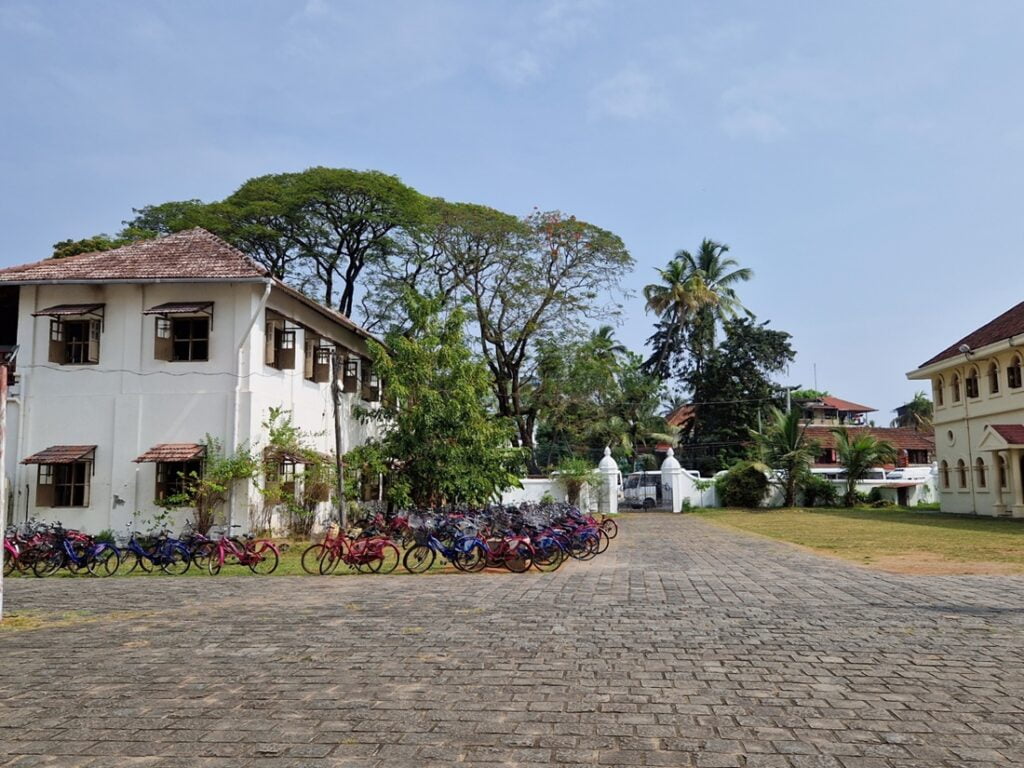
(932,564)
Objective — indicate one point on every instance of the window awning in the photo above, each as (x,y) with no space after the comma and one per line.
(62,454)
(172,452)
(72,310)
(182,308)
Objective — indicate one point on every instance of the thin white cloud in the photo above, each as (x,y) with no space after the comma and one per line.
(754,123)
(629,94)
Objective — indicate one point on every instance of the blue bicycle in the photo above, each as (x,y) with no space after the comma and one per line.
(77,552)
(467,553)
(170,555)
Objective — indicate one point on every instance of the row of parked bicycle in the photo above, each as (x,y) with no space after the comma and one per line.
(514,538)
(43,549)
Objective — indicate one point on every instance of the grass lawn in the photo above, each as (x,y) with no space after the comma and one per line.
(899,540)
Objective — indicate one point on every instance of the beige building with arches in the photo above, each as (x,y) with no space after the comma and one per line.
(978,392)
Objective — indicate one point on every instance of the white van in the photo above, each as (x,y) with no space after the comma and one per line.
(642,490)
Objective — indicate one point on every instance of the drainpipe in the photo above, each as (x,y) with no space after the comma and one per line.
(238,388)
(967,421)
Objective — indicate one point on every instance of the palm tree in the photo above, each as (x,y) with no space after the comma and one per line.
(857,454)
(605,347)
(917,413)
(783,445)
(696,293)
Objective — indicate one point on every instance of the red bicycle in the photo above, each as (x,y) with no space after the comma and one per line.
(261,555)
(373,554)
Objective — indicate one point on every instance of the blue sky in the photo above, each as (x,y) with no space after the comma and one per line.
(863,158)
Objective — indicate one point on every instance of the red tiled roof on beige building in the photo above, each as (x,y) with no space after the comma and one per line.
(1011,433)
(902,438)
(1007,325)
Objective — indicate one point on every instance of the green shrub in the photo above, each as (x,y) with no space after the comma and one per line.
(106,535)
(745,485)
(819,492)
(547,499)
(875,496)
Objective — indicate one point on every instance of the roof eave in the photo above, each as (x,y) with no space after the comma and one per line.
(930,369)
(139,280)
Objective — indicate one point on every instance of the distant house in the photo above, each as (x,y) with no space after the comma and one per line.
(127,359)
(978,397)
(833,412)
(913,448)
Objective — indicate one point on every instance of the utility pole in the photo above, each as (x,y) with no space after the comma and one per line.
(5,363)
(339,362)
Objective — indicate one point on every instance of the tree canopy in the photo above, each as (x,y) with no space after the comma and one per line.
(442,444)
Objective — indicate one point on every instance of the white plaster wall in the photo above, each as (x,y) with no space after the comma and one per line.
(130,401)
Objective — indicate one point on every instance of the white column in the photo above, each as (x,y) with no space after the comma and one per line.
(1013,466)
(672,481)
(608,502)
(999,508)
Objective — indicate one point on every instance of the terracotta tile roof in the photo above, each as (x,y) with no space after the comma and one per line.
(194,254)
(680,415)
(171,452)
(1011,433)
(61,454)
(905,438)
(1008,324)
(845,405)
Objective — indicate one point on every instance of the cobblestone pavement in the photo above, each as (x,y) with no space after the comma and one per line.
(684,645)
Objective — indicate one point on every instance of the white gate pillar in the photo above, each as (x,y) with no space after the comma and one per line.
(672,482)
(608,502)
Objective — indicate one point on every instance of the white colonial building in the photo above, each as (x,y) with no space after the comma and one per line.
(978,393)
(127,359)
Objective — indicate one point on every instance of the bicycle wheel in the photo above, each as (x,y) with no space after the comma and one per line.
(8,563)
(473,559)
(589,543)
(200,554)
(388,558)
(175,560)
(548,556)
(214,562)
(48,563)
(520,559)
(105,561)
(603,540)
(263,560)
(610,527)
(313,557)
(418,559)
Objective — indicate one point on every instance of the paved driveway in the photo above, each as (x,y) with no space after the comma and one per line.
(684,645)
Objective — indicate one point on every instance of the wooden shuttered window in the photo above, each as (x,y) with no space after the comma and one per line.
(318,360)
(371,383)
(279,344)
(74,342)
(163,341)
(350,381)
(44,485)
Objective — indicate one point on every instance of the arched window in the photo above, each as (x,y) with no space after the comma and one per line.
(993,378)
(955,387)
(944,474)
(940,392)
(971,383)
(979,471)
(961,473)
(1001,464)
(1013,380)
